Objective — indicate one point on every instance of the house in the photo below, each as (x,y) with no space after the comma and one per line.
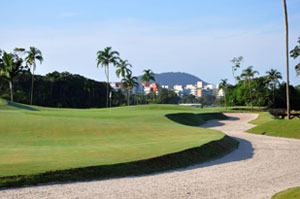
(116,85)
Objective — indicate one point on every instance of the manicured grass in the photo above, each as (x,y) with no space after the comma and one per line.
(262,118)
(267,125)
(293,193)
(36,140)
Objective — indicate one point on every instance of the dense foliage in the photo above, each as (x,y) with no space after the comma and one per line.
(61,90)
(262,91)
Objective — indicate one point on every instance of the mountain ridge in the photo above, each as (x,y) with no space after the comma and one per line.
(175,78)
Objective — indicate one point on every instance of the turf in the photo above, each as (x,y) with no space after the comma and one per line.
(293,193)
(35,140)
(268,125)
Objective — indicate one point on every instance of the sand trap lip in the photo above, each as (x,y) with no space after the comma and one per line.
(262,166)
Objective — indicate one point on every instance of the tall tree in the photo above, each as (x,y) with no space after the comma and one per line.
(287,58)
(19,51)
(236,65)
(105,58)
(129,82)
(148,76)
(122,68)
(273,76)
(223,86)
(32,55)
(294,54)
(248,74)
(10,68)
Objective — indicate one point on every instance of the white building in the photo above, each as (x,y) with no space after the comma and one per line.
(165,86)
(178,89)
(220,92)
(192,89)
(209,87)
(200,84)
(116,85)
(147,89)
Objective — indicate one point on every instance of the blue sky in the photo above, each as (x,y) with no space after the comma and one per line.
(194,36)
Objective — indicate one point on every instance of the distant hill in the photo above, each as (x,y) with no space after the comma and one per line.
(175,78)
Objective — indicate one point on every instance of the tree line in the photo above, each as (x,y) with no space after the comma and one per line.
(264,91)
(19,83)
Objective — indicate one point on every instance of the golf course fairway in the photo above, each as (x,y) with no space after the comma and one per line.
(35,140)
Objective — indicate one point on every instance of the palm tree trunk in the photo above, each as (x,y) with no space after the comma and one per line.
(11,90)
(128,96)
(107,87)
(274,95)
(233,75)
(225,99)
(287,59)
(32,80)
(250,94)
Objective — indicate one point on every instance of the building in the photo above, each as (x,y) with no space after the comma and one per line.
(166,87)
(178,89)
(154,87)
(203,92)
(200,84)
(209,87)
(147,88)
(220,93)
(192,89)
(116,85)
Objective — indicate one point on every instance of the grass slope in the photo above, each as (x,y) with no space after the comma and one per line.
(36,140)
(267,125)
(293,193)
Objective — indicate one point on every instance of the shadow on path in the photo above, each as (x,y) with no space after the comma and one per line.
(244,152)
(215,123)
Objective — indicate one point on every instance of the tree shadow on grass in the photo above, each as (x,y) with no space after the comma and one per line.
(21,106)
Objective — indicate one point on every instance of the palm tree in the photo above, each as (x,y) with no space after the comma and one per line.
(10,67)
(297,68)
(248,74)
(19,51)
(223,86)
(287,58)
(129,82)
(294,54)
(148,76)
(104,58)
(122,68)
(32,55)
(236,65)
(273,76)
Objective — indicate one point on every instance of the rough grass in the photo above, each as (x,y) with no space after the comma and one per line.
(293,193)
(36,140)
(268,125)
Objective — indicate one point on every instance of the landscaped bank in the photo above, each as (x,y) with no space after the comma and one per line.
(42,145)
(267,125)
(293,193)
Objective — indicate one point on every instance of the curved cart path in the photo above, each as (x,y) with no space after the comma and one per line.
(262,166)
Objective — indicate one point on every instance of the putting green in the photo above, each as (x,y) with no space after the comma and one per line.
(36,139)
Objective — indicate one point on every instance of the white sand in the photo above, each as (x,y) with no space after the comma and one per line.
(262,166)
